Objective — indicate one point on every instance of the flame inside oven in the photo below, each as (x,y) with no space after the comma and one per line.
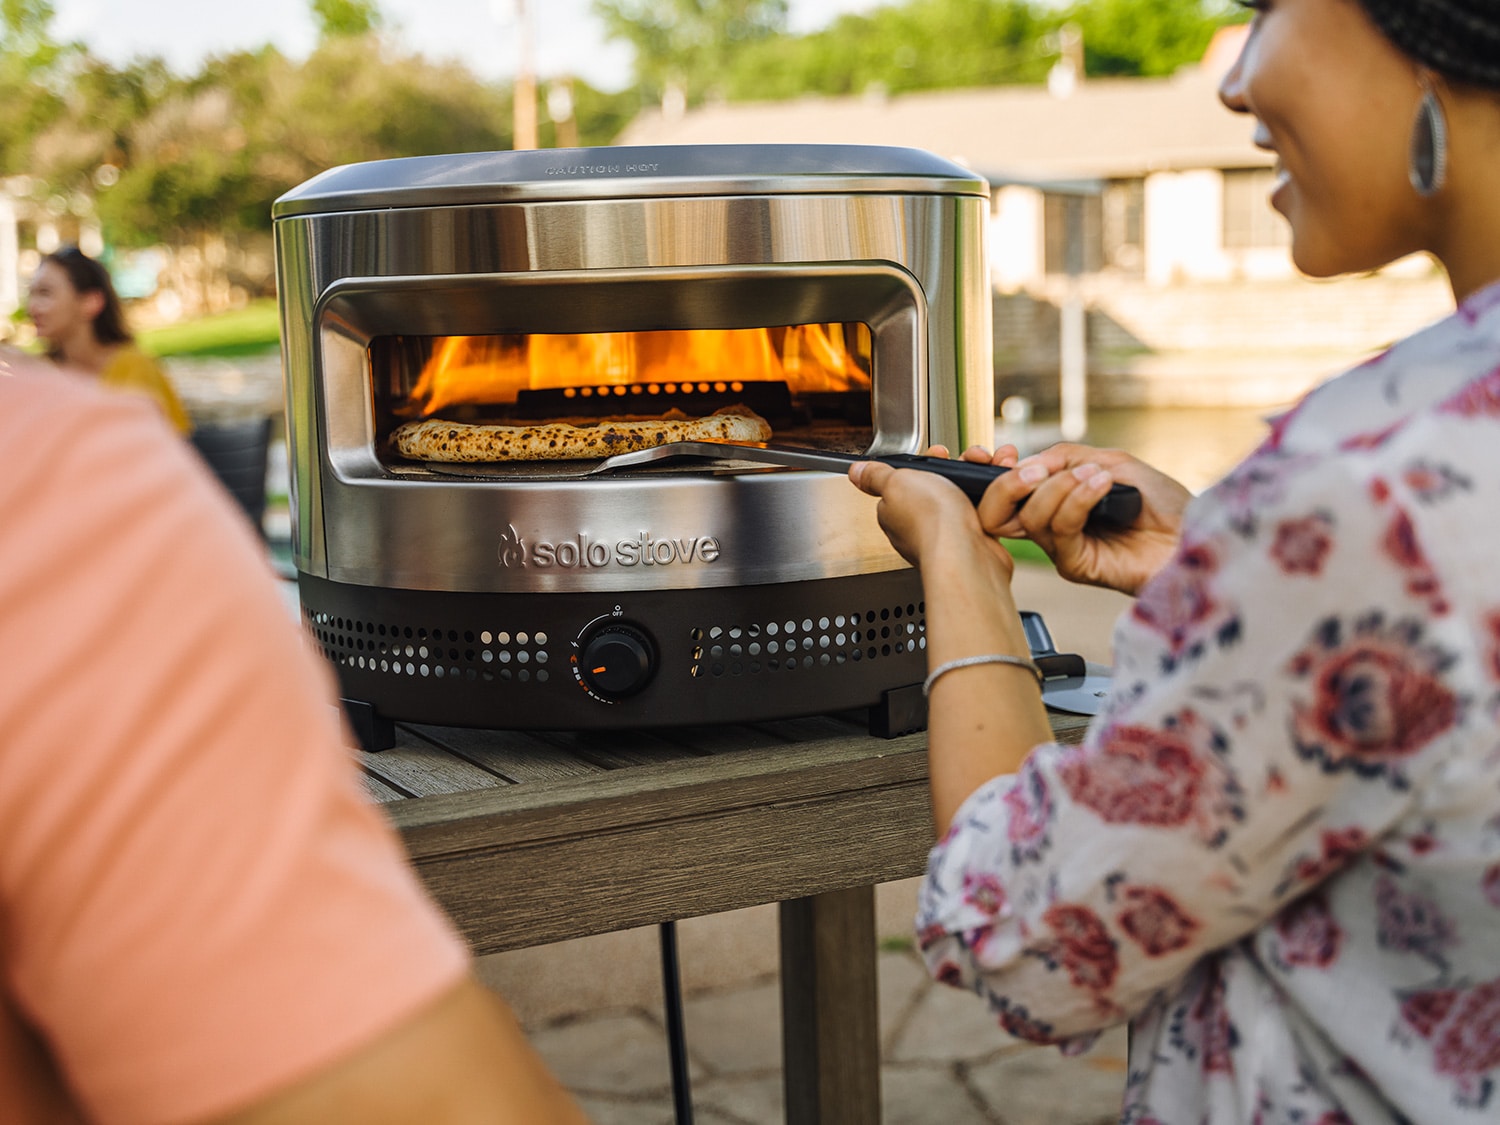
(494,370)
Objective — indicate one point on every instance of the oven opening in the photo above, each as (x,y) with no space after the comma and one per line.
(811,382)
(830,355)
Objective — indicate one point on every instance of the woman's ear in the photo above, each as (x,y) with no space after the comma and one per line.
(92,302)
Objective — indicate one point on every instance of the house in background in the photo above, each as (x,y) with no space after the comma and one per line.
(1143,198)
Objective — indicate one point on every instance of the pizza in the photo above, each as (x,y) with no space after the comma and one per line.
(438,440)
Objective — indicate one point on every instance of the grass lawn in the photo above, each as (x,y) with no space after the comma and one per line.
(1024,550)
(247,331)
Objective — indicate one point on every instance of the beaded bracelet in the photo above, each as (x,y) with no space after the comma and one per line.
(987,658)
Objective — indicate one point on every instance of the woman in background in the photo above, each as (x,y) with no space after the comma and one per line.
(1277,852)
(76,311)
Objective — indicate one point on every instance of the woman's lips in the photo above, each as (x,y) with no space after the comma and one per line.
(1282,182)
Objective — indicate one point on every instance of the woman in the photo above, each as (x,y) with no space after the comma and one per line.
(76,311)
(1277,853)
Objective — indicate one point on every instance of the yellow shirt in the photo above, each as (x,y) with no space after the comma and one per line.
(131,369)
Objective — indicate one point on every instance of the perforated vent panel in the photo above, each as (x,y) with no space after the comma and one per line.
(506,660)
(480,656)
(825,642)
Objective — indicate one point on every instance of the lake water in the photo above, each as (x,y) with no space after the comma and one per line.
(1195,445)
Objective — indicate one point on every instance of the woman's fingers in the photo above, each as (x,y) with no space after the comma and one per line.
(1006,455)
(999,507)
(1079,489)
(870,476)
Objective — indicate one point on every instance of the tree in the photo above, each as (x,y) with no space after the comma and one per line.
(88,138)
(27,28)
(689,45)
(341,18)
(1147,37)
(29,62)
(213,155)
(922,45)
(934,44)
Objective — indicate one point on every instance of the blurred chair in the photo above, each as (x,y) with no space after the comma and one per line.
(237,454)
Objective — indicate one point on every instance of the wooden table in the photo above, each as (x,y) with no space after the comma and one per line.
(530,838)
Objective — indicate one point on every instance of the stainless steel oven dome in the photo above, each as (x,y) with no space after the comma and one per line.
(731,595)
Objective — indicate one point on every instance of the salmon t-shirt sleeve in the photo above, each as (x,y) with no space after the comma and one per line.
(198,906)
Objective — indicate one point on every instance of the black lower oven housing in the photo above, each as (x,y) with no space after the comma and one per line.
(724,654)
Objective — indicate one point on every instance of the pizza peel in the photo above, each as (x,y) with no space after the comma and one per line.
(1119,508)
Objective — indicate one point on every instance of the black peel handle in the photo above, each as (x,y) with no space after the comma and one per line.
(1119,508)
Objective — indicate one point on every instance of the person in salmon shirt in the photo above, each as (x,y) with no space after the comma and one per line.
(202,918)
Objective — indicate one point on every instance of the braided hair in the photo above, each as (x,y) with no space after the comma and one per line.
(1459,39)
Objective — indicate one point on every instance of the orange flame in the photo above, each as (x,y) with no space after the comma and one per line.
(490,370)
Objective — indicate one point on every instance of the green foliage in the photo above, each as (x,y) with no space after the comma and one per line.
(360,99)
(944,44)
(1128,37)
(29,59)
(27,32)
(91,121)
(338,18)
(29,108)
(922,45)
(215,152)
(689,44)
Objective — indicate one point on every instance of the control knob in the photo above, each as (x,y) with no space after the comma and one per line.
(616,660)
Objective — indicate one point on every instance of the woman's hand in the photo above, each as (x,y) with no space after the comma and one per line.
(983,719)
(924,515)
(1059,487)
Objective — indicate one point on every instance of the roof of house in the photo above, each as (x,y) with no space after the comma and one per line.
(1103,129)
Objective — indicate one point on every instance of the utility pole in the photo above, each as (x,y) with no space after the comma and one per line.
(560,109)
(525,89)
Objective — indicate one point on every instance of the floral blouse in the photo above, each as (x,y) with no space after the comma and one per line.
(1277,852)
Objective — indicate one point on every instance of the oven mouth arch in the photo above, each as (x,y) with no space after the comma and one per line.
(354,312)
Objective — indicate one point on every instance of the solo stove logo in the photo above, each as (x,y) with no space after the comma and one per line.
(582,553)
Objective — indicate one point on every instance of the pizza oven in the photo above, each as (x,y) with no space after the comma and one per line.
(838,292)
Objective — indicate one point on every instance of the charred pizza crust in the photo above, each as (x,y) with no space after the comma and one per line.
(437,440)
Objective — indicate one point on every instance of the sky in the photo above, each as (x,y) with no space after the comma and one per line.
(481,33)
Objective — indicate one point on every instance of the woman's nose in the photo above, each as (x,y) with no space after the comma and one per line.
(1232,86)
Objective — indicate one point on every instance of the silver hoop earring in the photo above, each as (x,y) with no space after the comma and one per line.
(1428,165)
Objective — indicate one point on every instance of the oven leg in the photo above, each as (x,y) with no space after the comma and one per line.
(374,730)
(901,710)
(671,979)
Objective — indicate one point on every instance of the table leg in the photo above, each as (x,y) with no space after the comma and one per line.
(829,1017)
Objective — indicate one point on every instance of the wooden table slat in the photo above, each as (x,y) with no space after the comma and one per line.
(617,749)
(816,728)
(668,790)
(517,756)
(574,885)
(733,738)
(416,766)
(378,791)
